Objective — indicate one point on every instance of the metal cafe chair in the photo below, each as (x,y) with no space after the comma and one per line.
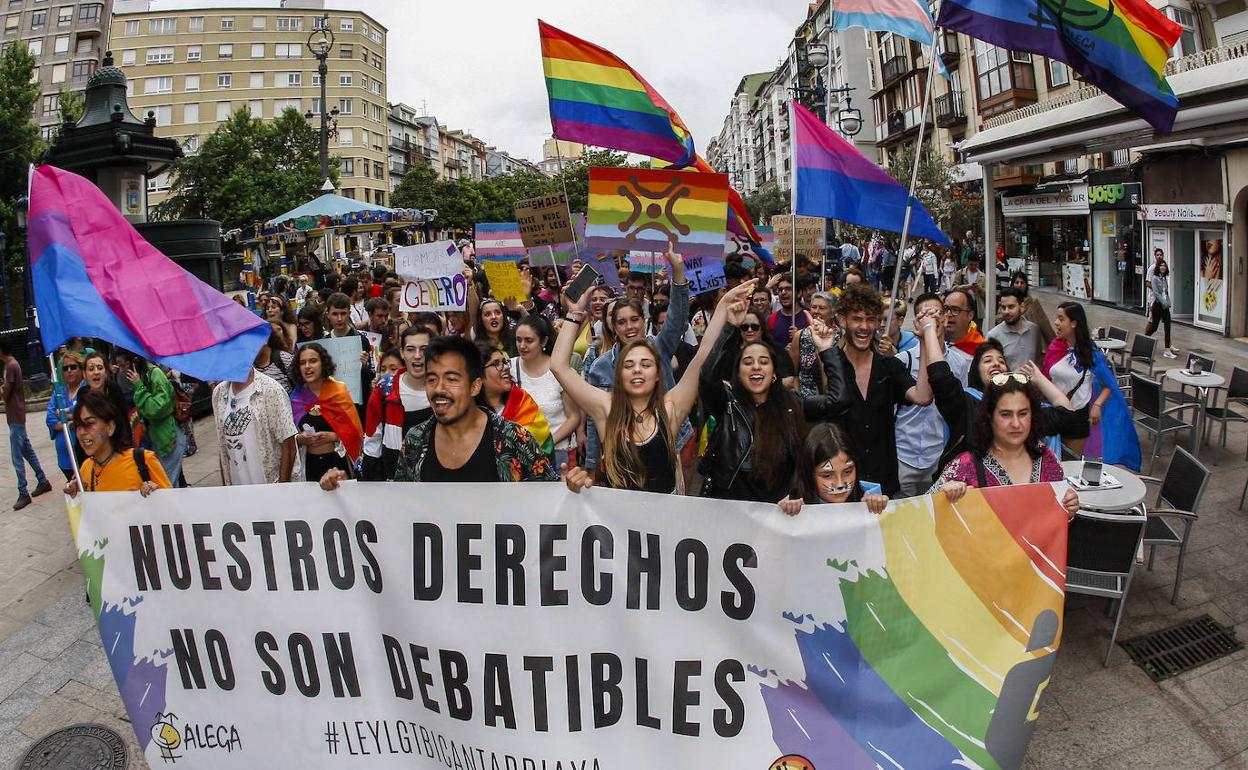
(1100,558)
(1236,393)
(1177,500)
(1151,414)
(1141,352)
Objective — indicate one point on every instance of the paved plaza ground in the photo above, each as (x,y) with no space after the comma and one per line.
(53,671)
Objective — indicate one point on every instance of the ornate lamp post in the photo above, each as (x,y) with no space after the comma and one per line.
(815,56)
(34,342)
(320,43)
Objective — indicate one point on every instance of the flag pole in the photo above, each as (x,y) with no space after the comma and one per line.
(914,175)
(567,204)
(793,209)
(69,438)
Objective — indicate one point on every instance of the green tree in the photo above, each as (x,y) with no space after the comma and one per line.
(766,203)
(935,189)
(247,171)
(417,189)
(73,103)
(575,176)
(19,139)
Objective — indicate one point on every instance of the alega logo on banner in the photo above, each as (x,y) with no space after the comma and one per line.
(605,630)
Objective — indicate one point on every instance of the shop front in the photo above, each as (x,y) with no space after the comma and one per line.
(1117,244)
(1192,238)
(1048,229)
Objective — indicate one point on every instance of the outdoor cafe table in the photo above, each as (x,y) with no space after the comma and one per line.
(1203,382)
(1108,344)
(1124,498)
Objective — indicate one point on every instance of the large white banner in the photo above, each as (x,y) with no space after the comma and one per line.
(520,626)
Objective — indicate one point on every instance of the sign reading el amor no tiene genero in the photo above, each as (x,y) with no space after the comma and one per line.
(433,625)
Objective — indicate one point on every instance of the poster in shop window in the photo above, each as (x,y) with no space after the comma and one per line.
(1211,284)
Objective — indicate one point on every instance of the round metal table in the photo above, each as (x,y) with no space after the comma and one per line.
(1110,344)
(1124,498)
(1203,382)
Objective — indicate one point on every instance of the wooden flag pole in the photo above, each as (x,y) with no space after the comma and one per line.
(914,175)
(567,203)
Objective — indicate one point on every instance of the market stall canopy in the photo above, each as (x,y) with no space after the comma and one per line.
(333,209)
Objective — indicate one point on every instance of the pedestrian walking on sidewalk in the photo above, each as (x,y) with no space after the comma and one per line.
(14,393)
(1159,311)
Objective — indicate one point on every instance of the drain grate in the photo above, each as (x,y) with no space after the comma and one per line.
(1171,651)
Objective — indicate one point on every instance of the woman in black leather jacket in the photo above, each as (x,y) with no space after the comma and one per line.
(760,424)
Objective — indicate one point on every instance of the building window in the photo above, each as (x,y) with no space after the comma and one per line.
(223,111)
(348,192)
(1059,73)
(377,112)
(162,26)
(65,16)
(58,73)
(127,57)
(227,23)
(192,82)
(194,52)
(225,80)
(83,69)
(83,45)
(257,80)
(993,67)
(131,28)
(288,51)
(191,145)
(344,79)
(348,166)
(364,28)
(377,87)
(190,112)
(379,198)
(36,48)
(346,52)
(346,25)
(259,22)
(316,78)
(293,80)
(316,105)
(225,51)
(378,173)
(158,183)
(257,50)
(319,23)
(256,108)
(367,192)
(346,136)
(52,105)
(61,45)
(376,62)
(160,85)
(375,35)
(281,105)
(1188,43)
(364,55)
(38,19)
(196,23)
(364,168)
(164,114)
(90,12)
(11,23)
(289,23)
(346,106)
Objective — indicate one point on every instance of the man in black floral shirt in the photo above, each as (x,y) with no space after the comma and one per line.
(463,442)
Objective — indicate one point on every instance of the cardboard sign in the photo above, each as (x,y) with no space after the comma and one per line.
(345,352)
(504,278)
(432,276)
(646,261)
(544,221)
(810,237)
(498,240)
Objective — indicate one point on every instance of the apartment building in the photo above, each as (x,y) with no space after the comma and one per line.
(498,162)
(67,40)
(193,68)
(414,139)
(463,155)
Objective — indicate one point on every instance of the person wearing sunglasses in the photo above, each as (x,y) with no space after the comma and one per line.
(60,409)
(502,396)
(752,330)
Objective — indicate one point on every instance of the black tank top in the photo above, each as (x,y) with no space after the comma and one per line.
(655,458)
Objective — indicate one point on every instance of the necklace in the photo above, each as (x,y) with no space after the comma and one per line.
(640,417)
(97,468)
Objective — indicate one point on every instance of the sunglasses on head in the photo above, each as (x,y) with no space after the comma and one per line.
(1000,378)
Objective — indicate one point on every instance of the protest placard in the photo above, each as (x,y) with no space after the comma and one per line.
(348,369)
(639,209)
(562,253)
(432,275)
(499,240)
(281,626)
(810,237)
(705,274)
(646,261)
(544,220)
(504,278)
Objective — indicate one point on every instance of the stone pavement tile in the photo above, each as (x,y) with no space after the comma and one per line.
(1226,731)
(1230,682)
(1237,762)
(97,674)
(67,619)
(1102,689)
(20,641)
(1183,748)
(64,667)
(18,672)
(57,711)
(1194,697)
(17,706)
(46,593)
(1083,740)
(13,746)
(108,701)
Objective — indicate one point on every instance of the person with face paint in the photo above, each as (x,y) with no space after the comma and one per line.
(827,473)
(110,464)
(637,420)
(760,423)
(397,405)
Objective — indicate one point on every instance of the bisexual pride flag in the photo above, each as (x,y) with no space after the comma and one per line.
(836,181)
(499,241)
(95,276)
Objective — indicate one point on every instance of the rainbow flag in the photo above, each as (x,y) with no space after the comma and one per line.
(499,241)
(338,410)
(646,209)
(524,411)
(946,644)
(95,276)
(1121,46)
(835,180)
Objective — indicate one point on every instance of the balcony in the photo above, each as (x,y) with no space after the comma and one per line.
(398,143)
(950,50)
(894,68)
(951,110)
(399,169)
(1015,176)
(899,125)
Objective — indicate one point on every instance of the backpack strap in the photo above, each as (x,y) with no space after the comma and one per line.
(140,462)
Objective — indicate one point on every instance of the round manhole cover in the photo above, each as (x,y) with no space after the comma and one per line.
(77,747)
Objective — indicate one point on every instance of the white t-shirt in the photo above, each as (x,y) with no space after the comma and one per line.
(548,394)
(242,445)
(359,317)
(1070,379)
(412,398)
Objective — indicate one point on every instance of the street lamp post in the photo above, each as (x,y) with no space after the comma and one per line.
(34,344)
(4,280)
(815,56)
(320,43)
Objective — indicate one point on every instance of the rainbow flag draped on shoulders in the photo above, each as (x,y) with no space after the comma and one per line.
(336,406)
(95,276)
(597,99)
(1121,46)
(524,411)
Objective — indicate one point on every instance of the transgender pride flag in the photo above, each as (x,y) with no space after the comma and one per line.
(908,18)
(95,276)
(832,179)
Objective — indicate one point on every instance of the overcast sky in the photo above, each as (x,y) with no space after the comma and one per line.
(476,64)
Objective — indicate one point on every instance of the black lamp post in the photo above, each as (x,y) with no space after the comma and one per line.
(4,280)
(815,56)
(320,43)
(34,344)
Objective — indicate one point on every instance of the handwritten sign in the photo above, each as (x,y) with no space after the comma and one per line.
(345,352)
(646,261)
(809,237)
(504,278)
(432,276)
(705,274)
(544,220)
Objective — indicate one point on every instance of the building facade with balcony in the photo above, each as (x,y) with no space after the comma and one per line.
(413,140)
(194,68)
(733,150)
(498,163)
(67,40)
(463,155)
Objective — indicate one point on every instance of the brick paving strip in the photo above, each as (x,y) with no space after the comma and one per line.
(53,672)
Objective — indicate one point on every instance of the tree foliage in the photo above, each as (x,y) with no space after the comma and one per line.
(20,144)
(935,189)
(766,203)
(247,171)
(73,104)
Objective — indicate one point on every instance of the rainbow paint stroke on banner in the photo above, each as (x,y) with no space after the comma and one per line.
(498,240)
(1120,46)
(951,642)
(741,247)
(638,209)
(95,276)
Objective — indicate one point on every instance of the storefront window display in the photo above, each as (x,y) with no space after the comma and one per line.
(1118,265)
